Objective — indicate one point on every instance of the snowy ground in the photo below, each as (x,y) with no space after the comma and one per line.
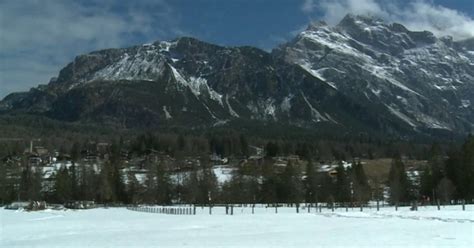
(119,227)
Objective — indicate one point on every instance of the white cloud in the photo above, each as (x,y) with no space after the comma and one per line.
(37,37)
(308,6)
(416,15)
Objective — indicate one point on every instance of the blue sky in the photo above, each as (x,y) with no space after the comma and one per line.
(39,37)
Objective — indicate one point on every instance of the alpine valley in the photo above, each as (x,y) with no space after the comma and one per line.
(362,75)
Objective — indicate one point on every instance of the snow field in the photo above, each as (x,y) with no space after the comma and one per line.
(119,227)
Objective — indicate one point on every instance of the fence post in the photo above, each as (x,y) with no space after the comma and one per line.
(297,208)
(377,204)
(437,203)
(210,209)
(463,205)
(347,208)
(361,207)
(332,207)
(309,208)
(226,209)
(276,209)
(194,210)
(231,209)
(320,208)
(253,208)
(396,206)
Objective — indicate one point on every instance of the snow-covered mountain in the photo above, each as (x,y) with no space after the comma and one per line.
(362,74)
(426,82)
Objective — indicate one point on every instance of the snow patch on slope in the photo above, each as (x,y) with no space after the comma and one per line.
(317,117)
(197,85)
(383,74)
(286,104)
(401,116)
(465,103)
(316,73)
(231,110)
(139,66)
(167,113)
(270,108)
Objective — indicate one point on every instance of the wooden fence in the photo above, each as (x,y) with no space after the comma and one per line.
(276,208)
(166,210)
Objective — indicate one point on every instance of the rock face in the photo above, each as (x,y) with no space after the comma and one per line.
(360,75)
(426,82)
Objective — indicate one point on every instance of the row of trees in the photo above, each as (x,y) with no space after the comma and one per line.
(444,178)
(264,182)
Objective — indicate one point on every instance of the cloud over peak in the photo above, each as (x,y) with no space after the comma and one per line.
(416,15)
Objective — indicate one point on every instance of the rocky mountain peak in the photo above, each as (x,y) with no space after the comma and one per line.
(362,72)
(315,25)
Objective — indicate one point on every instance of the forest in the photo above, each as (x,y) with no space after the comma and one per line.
(177,168)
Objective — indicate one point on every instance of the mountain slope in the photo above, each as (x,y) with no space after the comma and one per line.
(360,76)
(426,82)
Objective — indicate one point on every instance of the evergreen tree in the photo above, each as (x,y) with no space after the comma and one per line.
(163,185)
(150,186)
(343,187)
(244,146)
(87,183)
(468,166)
(133,188)
(427,185)
(208,186)
(74,183)
(63,186)
(290,185)
(272,149)
(360,183)
(399,184)
(190,187)
(106,191)
(310,183)
(436,164)
(269,182)
(30,183)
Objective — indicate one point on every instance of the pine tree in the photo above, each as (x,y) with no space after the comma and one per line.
(269,183)
(244,146)
(74,183)
(150,187)
(290,185)
(360,183)
(311,186)
(133,188)
(208,186)
(343,193)
(190,186)
(163,185)
(106,191)
(427,185)
(63,186)
(399,184)
(468,166)
(436,164)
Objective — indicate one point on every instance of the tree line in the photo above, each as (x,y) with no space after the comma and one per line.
(447,176)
